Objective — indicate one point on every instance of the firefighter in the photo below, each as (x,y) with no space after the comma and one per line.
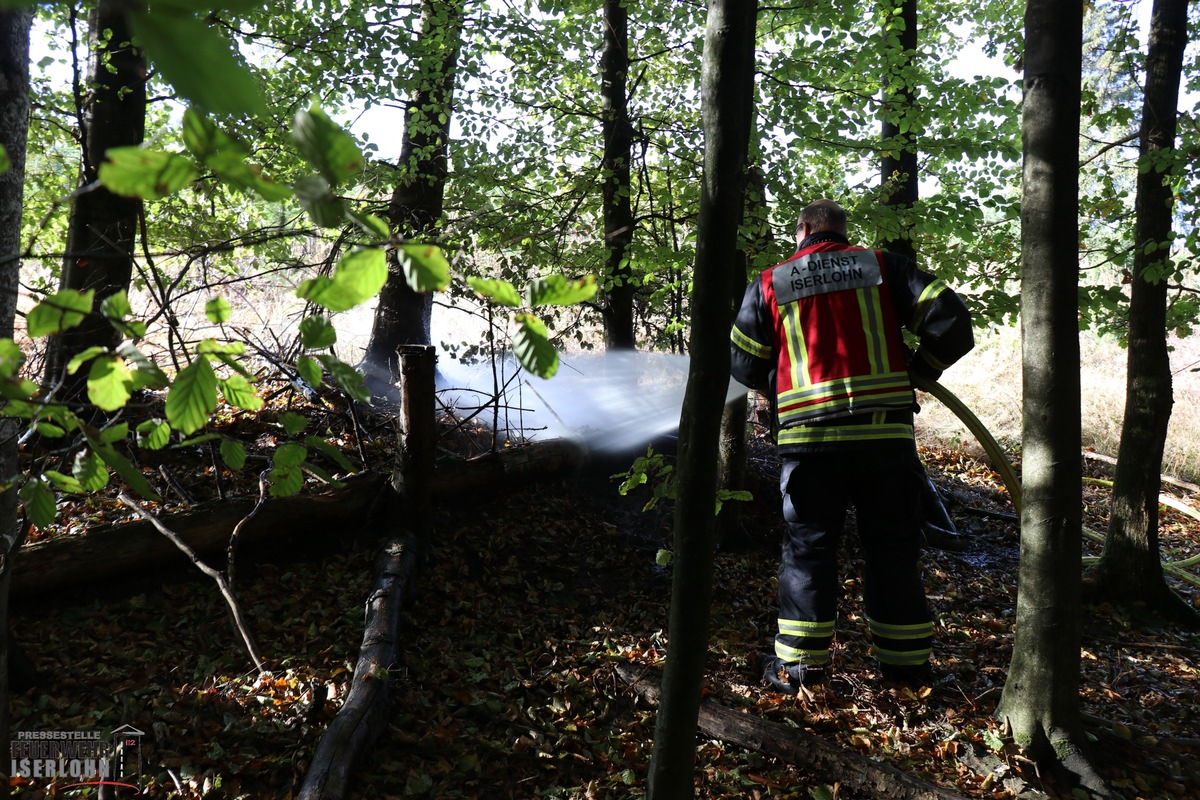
(820,334)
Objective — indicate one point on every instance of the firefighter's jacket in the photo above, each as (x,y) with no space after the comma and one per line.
(820,334)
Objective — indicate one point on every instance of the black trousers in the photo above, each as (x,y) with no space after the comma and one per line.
(884,486)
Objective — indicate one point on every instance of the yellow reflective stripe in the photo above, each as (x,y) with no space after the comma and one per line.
(919,630)
(797,346)
(906,658)
(850,385)
(793,654)
(754,348)
(871,313)
(921,307)
(925,356)
(795,627)
(807,434)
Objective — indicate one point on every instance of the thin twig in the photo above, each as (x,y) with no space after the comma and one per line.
(231,552)
(239,621)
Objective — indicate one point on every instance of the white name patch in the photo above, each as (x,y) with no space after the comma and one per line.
(819,273)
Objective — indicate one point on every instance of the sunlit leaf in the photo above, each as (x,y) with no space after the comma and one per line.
(292,422)
(371,225)
(79,359)
(359,276)
(347,377)
(145,173)
(317,199)
(153,434)
(59,312)
(218,310)
(285,481)
(329,451)
(425,266)
(193,397)
(555,290)
(109,383)
(310,370)
(65,483)
(240,393)
(497,290)
(317,332)
(532,346)
(12,357)
(89,471)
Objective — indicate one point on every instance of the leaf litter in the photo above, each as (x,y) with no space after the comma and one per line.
(505,684)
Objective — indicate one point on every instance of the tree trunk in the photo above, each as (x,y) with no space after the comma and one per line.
(402,316)
(618,146)
(727,85)
(14,127)
(1130,569)
(898,166)
(102,231)
(1040,701)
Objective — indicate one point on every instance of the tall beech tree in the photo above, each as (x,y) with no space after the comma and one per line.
(727,82)
(617,131)
(103,227)
(1040,702)
(898,161)
(415,209)
(1129,569)
(14,124)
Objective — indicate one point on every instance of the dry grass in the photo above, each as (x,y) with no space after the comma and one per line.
(988,380)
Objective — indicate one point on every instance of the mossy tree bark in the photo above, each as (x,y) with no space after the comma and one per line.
(1130,569)
(1040,702)
(727,82)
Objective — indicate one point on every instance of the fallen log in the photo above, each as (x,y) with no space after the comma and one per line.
(364,713)
(107,552)
(834,764)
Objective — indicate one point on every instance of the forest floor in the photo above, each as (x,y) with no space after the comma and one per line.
(506,683)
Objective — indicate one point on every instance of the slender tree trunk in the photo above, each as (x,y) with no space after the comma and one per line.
(618,151)
(402,316)
(1130,568)
(102,231)
(727,82)
(14,126)
(1040,701)
(898,166)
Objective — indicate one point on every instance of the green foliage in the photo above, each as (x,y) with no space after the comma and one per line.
(656,472)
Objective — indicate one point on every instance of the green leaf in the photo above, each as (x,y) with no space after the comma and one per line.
(153,434)
(292,422)
(347,377)
(233,453)
(499,291)
(109,383)
(317,333)
(133,478)
(5,161)
(555,290)
(214,347)
(59,312)
(327,147)
(146,374)
(310,370)
(115,433)
(39,502)
(49,430)
(425,267)
(193,397)
(371,225)
(226,156)
(662,557)
(12,357)
(329,451)
(240,393)
(290,454)
(317,199)
(116,305)
(196,58)
(285,481)
(359,276)
(218,310)
(89,471)
(64,482)
(532,347)
(80,359)
(144,173)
